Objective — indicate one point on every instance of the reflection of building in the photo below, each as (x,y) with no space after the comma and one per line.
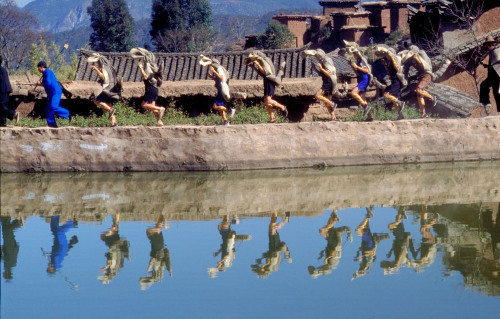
(470,237)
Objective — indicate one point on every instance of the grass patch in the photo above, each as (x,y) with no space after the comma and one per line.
(380,113)
(252,114)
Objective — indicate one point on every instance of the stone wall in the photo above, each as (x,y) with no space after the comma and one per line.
(242,147)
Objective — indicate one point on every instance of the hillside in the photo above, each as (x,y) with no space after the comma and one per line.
(64,15)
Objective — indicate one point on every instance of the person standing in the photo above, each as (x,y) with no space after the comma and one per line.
(5,90)
(54,92)
(493,79)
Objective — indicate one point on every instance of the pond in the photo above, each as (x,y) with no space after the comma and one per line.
(352,242)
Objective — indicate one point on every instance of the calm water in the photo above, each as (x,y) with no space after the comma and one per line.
(376,242)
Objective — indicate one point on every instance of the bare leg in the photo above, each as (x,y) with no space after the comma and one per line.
(157,110)
(270,104)
(398,105)
(320,96)
(109,109)
(222,111)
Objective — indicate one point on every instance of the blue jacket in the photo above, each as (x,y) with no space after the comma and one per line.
(50,83)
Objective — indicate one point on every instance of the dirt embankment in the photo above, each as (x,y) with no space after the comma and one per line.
(241,147)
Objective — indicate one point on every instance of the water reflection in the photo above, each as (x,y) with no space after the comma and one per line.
(271,259)
(227,250)
(447,226)
(333,251)
(118,250)
(160,255)
(424,256)
(10,247)
(367,252)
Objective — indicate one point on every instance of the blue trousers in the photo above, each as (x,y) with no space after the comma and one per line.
(53,108)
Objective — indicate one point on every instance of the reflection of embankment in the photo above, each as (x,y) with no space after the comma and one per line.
(203,195)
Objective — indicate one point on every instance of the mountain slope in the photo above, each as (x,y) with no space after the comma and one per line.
(63,15)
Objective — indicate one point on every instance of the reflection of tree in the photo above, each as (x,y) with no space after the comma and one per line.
(367,251)
(333,251)
(227,251)
(160,255)
(276,249)
(118,249)
(10,247)
(402,242)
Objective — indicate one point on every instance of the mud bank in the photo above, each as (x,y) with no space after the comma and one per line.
(248,147)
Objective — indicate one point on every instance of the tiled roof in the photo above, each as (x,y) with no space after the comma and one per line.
(455,101)
(466,47)
(185,66)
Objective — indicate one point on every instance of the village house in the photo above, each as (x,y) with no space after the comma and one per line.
(352,20)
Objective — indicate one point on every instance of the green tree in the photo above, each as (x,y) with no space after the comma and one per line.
(112,24)
(182,25)
(53,55)
(276,36)
(17,32)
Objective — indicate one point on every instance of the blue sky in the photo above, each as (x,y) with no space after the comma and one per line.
(22,3)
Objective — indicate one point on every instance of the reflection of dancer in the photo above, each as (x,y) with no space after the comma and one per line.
(259,62)
(367,251)
(61,247)
(402,242)
(226,251)
(10,247)
(118,248)
(160,255)
(333,251)
(276,248)
(427,248)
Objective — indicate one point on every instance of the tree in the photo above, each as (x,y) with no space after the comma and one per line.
(16,34)
(54,56)
(112,24)
(276,36)
(182,25)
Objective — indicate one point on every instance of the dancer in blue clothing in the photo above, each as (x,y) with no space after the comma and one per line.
(367,252)
(61,246)
(54,92)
